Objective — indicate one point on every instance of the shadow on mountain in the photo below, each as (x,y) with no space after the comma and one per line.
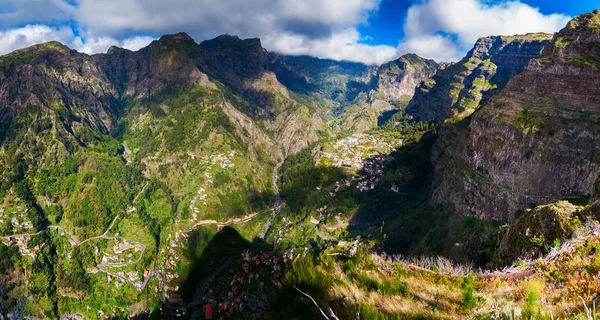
(206,260)
(404,222)
(386,116)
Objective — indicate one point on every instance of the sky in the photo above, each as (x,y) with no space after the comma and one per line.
(368,31)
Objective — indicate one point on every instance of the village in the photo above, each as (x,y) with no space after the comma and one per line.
(14,220)
(221,160)
(351,151)
(170,266)
(22,242)
(232,294)
(371,171)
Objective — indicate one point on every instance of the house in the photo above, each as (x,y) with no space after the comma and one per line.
(208,311)
(314,220)
(175,299)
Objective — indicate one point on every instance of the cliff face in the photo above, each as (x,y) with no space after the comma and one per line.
(51,98)
(536,141)
(538,230)
(398,79)
(457,90)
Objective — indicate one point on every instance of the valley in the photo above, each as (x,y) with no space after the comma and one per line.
(220,180)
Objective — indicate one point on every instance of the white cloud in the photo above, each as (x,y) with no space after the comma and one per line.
(324,28)
(101,44)
(468,20)
(28,35)
(435,47)
(136,43)
(340,46)
(439,29)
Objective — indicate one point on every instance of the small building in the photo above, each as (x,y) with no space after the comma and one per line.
(175,299)
(208,311)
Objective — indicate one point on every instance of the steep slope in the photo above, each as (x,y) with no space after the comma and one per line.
(53,101)
(398,79)
(457,90)
(140,144)
(359,95)
(535,232)
(336,81)
(536,141)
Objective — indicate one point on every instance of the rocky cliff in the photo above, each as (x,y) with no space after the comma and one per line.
(397,79)
(51,100)
(538,230)
(536,141)
(457,90)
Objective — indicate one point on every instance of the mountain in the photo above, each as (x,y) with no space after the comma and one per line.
(398,79)
(186,175)
(458,89)
(140,146)
(534,142)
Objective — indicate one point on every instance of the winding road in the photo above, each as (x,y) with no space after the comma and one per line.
(198,299)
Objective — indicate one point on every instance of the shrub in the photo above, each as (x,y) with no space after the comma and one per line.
(350,268)
(366,282)
(393,287)
(307,276)
(469,301)
(400,271)
(532,299)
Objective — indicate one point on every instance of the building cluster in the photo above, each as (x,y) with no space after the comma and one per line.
(373,169)
(351,151)
(172,259)
(120,247)
(221,160)
(22,242)
(17,219)
(287,227)
(258,269)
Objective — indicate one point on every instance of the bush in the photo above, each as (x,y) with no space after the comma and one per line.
(532,299)
(393,287)
(366,282)
(399,271)
(469,301)
(306,276)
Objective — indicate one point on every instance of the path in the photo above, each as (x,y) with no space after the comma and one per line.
(198,300)
(277,200)
(132,208)
(226,223)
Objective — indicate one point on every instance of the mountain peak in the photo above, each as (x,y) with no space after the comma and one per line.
(578,44)
(232,41)
(115,49)
(180,37)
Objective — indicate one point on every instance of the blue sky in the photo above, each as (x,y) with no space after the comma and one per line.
(369,31)
(383,27)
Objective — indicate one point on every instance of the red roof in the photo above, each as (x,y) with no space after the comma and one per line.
(208,311)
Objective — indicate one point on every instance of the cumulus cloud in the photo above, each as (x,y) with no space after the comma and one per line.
(324,28)
(13,39)
(455,25)
(101,44)
(440,29)
(340,46)
(18,12)
(434,46)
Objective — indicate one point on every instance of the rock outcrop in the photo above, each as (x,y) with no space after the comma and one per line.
(536,141)
(398,79)
(535,232)
(457,90)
